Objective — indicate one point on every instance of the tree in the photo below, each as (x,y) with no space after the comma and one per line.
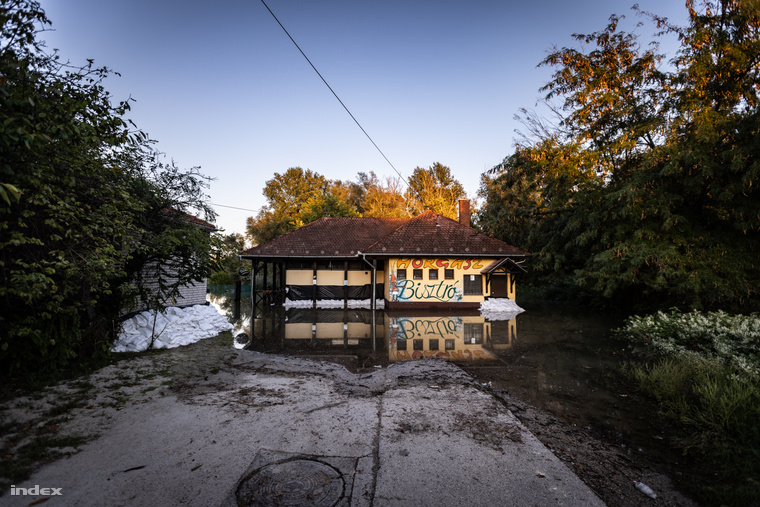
(436,189)
(383,200)
(287,193)
(647,192)
(296,198)
(82,202)
(614,95)
(326,205)
(227,264)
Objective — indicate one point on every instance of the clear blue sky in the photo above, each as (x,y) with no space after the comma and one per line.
(220,85)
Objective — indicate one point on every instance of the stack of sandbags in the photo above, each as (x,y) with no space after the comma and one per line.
(175,327)
(499,309)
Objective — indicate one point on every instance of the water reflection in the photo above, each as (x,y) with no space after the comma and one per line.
(462,339)
(556,357)
(364,340)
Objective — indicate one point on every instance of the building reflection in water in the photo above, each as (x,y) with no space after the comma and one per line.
(459,339)
(361,339)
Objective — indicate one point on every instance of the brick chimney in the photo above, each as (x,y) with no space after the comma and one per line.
(464,212)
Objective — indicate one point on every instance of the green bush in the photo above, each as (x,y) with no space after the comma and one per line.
(703,372)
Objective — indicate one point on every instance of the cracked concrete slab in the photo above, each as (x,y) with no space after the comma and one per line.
(416,433)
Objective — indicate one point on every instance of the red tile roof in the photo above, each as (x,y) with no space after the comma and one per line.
(190,218)
(426,234)
(432,234)
(200,222)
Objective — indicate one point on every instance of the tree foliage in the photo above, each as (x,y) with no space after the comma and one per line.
(297,197)
(383,199)
(85,205)
(227,265)
(647,189)
(434,188)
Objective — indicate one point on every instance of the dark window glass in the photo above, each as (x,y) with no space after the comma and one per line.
(473,285)
(417,344)
(448,274)
(417,273)
(433,274)
(473,333)
(401,274)
(433,344)
(400,344)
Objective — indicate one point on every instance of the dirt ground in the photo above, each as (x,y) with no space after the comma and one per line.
(604,466)
(38,427)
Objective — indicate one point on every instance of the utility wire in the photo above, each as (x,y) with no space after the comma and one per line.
(234,207)
(336,96)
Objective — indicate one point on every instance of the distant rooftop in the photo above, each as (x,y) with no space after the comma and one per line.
(426,234)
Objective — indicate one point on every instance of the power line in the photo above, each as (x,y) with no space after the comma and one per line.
(336,96)
(235,207)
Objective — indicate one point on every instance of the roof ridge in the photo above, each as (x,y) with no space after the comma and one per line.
(406,221)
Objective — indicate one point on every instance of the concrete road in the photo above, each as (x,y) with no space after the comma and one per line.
(271,430)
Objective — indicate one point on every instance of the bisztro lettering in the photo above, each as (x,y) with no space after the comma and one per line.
(35,491)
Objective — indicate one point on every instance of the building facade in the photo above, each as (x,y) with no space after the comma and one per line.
(428,261)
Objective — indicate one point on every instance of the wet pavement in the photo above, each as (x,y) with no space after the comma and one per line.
(261,429)
(557,357)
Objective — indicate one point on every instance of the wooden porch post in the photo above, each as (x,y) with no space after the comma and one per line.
(314,283)
(345,284)
(254,270)
(373,301)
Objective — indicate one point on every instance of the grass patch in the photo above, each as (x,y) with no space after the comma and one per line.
(704,372)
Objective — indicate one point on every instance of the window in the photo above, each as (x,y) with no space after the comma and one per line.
(417,274)
(400,344)
(433,274)
(418,344)
(433,343)
(401,274)
(473,333)
(448,274)
(473,285)
(450,344)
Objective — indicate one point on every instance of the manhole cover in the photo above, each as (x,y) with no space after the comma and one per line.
(297,482)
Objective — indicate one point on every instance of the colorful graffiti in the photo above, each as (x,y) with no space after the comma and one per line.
(403,328)
(440,263)
(446,290)
(404,290)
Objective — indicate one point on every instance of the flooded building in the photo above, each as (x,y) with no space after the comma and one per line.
(425,262)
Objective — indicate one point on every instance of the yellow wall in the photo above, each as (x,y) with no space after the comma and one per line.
(360,277)
(440,290)
(325,277)
(298,277)
(329,277)
(453,336)
(330,330)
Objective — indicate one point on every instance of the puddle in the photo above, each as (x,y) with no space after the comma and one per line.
(555,357)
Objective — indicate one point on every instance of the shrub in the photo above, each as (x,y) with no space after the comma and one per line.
(703,372)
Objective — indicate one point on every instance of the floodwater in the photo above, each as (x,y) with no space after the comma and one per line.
(558,358)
